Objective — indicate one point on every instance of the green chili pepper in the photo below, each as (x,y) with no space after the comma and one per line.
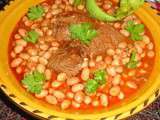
(97,12)
(126,8)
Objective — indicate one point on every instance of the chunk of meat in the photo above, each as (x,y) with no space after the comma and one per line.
(69,58)
(70,55)
(62,22)
(107,37)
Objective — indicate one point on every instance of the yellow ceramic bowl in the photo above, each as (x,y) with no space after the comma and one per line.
(8,19)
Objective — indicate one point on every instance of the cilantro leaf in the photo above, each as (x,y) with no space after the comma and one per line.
(99,79)
(34,82)
(136,37)
(32,36)
(130,26)
(91,86)
(35,12)
(82,32)
(135,30)
(99,76)
(133,56)
(132,62)
(139,28)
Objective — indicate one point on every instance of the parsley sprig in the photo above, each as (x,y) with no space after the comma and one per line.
(93,84)
(31,36)
(34,82)
(133,62)
(82,32)
(35,12)
(135,30)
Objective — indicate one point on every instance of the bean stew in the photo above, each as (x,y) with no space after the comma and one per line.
(65,57)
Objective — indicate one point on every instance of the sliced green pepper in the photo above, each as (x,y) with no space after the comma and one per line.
(97,12)
(126,8)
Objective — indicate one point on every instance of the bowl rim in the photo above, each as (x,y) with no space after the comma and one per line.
(132,108)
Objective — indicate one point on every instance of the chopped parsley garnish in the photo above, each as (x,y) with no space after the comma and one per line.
(31,36)
(82,32)
(100,76)
(135,30)
(35,12)
(91,86)
(34,82)
(132,62)
(99,79)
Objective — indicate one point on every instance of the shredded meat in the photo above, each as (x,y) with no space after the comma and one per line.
(71,53)
(107,37)
(60,29)
(68,58)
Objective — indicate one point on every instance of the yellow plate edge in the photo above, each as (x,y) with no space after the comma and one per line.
(134,109)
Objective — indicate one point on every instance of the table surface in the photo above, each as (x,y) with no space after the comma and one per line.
(8,111)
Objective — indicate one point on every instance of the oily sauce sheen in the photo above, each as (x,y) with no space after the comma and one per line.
(121,82)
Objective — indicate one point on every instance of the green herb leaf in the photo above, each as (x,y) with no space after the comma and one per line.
(100,76)
(32,36)
(133,62)
(139,28)
(135,30)
(91,86)
(133,56)
(130,26)
(35,12)
(136,37)
(82,32)
(98,80)
(34,82)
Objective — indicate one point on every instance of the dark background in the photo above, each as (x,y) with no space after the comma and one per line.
(2,3)
(8,111)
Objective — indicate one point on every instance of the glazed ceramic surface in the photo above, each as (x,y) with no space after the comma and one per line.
(9,18)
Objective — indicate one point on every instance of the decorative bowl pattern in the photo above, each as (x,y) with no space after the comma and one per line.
(8,19)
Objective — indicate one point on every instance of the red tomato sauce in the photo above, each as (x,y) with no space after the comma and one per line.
(128,92)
